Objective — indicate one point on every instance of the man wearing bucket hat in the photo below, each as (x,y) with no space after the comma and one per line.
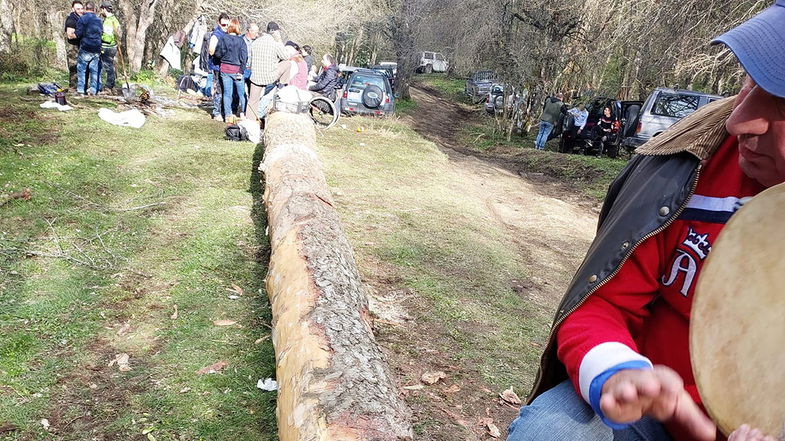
(617,362)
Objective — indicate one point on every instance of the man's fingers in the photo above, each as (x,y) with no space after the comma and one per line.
(689,415)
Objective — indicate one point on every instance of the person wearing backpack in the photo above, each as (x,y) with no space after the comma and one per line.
(109,44)
(89,30)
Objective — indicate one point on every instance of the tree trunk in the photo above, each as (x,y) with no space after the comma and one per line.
(333,383)
(57,20)
(138,18)
(6,26)
(405,48)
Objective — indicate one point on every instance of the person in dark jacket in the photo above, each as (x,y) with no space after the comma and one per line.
(72,51)
(233,54)
(89,30)
(328,79)
(551,113)
(617,362)
(213,64)
(603,131)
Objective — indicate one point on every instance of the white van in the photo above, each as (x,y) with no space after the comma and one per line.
(432,62)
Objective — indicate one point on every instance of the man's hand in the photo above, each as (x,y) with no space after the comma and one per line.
(659,393)
(745,433)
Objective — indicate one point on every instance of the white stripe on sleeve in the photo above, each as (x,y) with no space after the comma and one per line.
(601,358)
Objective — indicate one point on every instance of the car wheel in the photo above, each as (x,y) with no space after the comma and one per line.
(372,97)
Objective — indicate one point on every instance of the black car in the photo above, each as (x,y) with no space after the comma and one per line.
(367,92)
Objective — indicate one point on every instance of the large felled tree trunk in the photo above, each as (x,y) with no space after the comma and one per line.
(333,382)
(138,16)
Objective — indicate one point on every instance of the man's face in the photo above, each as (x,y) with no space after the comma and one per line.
(758,120)
(78,8)
(253,32)
(224,24)
(581,107)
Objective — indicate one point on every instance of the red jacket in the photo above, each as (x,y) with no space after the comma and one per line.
(642,314)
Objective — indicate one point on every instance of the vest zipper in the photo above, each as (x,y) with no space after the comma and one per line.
(656,231)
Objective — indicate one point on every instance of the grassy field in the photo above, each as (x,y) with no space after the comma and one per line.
(137,242)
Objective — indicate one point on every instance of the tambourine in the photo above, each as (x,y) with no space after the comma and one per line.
(737,323)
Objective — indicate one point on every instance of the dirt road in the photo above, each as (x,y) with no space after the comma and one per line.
(550,234)
(553,233)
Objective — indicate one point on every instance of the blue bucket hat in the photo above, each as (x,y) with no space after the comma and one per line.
(759,45)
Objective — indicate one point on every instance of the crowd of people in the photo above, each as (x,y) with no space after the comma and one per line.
(92,38)
(241,68)
(245,67)
(601,134)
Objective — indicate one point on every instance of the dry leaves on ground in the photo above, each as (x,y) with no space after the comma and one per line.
(224,322)
(122,361)
(510,396)
(453,389)
(433,377)
(493,430)
(213,368)
(236,289)
(175,314)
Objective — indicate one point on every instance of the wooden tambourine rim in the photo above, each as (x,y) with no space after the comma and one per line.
(746,222)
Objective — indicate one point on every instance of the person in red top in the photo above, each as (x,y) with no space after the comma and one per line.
(620,337)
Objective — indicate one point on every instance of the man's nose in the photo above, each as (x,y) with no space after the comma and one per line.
(753,113)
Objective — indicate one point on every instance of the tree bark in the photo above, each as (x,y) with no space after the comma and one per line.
(138,18)
(333,383)
(6,26)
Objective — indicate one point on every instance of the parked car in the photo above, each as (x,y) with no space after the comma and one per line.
(432,62)
(663,108)
(386,70)
(390,64)
(479,85)
(583,142)
(495,99)
(367,92)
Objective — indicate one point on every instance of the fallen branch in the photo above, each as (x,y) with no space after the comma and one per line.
(31,253)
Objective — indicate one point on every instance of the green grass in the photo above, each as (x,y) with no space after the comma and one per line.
(405,107)
(134,223)
(448,87)
(402,208)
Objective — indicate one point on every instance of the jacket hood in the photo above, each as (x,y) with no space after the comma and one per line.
(554,99)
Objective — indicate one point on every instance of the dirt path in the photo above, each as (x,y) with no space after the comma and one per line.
(550,234)
(553,233)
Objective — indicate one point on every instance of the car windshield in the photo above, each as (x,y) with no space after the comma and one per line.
(360,81)
(675,105)
(428,56)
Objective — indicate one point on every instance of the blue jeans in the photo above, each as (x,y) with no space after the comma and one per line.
(232,83)
(217,93)
(87,61)
(560,414)
(542,136)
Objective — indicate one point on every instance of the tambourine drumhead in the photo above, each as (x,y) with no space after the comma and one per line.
(737,323)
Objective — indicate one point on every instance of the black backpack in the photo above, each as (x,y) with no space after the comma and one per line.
(236,133)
